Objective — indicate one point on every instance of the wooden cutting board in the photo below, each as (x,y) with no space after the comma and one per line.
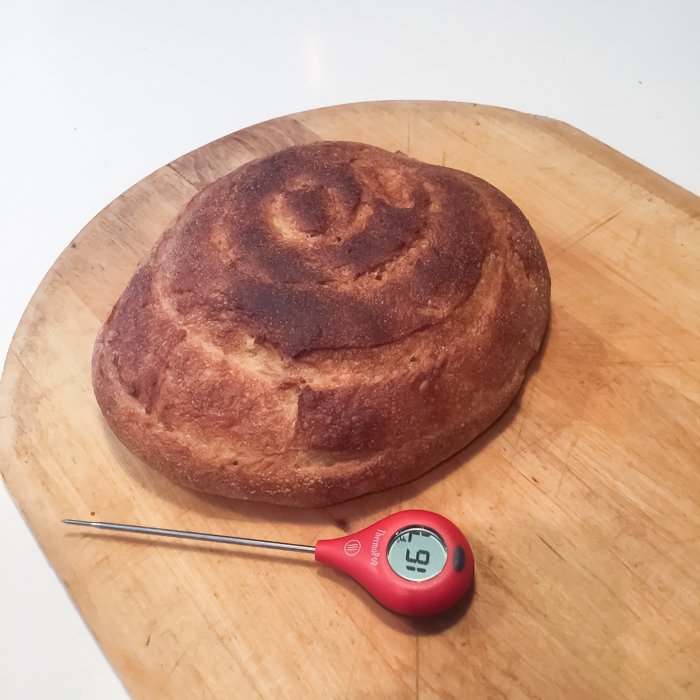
(581,503)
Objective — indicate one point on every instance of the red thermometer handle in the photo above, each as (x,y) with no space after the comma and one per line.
(414,562)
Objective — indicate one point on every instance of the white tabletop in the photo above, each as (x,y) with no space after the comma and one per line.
(96,95)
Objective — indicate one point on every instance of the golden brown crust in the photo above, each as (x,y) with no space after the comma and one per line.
(325,322)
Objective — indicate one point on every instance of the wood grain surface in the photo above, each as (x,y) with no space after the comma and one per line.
(582,503)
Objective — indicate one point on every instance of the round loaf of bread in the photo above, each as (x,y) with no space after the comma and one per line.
(321,323)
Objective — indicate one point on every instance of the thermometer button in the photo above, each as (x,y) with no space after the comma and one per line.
(458,559)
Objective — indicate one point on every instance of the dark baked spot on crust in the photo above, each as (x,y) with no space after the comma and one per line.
(388,230)
(309,209)
(296,319)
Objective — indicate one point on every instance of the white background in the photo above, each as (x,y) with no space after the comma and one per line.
(96,95)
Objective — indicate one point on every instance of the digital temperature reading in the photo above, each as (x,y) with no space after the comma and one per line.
(417,553)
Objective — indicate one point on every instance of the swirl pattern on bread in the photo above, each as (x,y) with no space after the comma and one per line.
(324,322)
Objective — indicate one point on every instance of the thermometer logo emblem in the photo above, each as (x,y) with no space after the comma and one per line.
(352,547)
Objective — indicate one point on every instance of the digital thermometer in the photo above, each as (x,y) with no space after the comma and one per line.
(414,562)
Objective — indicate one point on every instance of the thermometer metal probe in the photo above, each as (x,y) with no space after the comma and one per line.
(414,562)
